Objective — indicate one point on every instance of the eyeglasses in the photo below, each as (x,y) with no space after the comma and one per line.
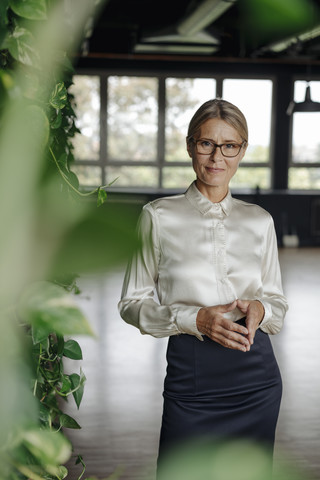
(205,147)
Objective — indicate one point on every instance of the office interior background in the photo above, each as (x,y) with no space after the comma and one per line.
(142,70)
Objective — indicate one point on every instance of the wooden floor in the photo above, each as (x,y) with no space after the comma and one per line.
(121,409)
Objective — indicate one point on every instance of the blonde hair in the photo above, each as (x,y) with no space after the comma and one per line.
(222,109)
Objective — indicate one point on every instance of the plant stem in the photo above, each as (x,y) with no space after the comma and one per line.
(65,178)
(83,467)
(38,369)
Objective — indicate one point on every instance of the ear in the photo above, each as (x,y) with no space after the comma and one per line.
(243,151)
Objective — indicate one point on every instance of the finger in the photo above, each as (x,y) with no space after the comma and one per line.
(251,334)
(227,330)
(235,327)
(250,337)
(243,305)
(231,343)
(237,333)
(228,307)
(252,326)
(234,336)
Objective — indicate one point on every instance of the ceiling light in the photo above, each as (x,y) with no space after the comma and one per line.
(199,37)
(306,106)
(178,49)
(207,12)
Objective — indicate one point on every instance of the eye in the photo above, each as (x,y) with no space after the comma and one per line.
(231,146)
(205,143)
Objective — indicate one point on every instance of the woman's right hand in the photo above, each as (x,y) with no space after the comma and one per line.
(212,323)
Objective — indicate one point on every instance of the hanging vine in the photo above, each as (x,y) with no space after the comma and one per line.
(46,311)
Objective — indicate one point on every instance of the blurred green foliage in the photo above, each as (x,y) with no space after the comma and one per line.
(49,229)
(207,459)
(267,20)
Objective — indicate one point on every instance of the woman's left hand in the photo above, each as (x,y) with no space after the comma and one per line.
(254,311)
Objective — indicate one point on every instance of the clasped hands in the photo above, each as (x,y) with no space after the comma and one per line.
(212,323)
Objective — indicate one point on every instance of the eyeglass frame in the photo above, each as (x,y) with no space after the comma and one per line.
(216,145)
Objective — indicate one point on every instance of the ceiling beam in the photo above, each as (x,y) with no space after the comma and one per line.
(207,12)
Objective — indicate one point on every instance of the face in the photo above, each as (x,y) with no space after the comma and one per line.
(215,171)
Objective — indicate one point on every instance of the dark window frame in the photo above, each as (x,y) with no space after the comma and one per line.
(160,163)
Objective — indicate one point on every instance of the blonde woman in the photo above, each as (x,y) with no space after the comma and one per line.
(213,261)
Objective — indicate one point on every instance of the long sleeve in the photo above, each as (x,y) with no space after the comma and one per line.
(138,305)
(194,254)
(272,298)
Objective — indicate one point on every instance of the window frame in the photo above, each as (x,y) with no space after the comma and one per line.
(291,163)
(160,163)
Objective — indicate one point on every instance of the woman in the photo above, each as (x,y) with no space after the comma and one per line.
(213,262)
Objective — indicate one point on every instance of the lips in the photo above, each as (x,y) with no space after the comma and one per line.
(214,170)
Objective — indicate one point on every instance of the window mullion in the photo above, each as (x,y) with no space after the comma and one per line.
(161,128)
(219,87)
(103,125)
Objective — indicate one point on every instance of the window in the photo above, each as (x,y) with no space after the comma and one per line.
(86,90)
(254,98)
(134,129)
(183,97)
(304,171)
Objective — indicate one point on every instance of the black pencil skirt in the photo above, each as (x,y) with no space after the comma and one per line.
(214,392)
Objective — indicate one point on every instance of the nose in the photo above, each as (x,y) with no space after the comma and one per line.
(216,155)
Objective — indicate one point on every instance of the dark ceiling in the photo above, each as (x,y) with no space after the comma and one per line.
(248,29)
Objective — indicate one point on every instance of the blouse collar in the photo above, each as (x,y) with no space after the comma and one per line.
(204,205)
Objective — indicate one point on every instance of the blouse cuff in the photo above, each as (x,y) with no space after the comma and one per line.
(267,313)
(186,320)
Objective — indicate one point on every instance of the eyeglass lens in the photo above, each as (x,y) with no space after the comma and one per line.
(227,149)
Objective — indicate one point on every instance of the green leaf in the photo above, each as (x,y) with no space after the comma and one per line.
(62,472)
(51,401)
(59,96)
(4,4)
(6,81)
(60,345)
(44,415)
(50,448)
(3,19)
(79,460)
(77,383)
(73,179)
(63,160)
(68,422)
(68,280)
(49,308)
(66,384)
(110,233)
(30,9)
(56,121)
(102,197)
(21,45)
(39,333)
(72,350)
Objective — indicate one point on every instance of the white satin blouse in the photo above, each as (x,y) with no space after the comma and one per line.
(196,253)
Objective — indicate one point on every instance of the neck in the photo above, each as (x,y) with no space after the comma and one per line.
(214,194)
